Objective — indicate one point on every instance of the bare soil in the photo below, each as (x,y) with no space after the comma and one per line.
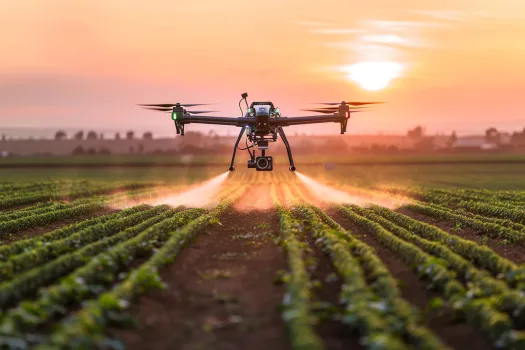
(221,292)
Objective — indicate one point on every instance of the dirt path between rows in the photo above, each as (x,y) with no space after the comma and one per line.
(221,292)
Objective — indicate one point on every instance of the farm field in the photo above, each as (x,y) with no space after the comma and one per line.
(347,257)
(475,171)
(280,157)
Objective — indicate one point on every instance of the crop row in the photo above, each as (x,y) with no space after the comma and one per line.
(84,328)
(490,228)
(515,214)
(488,313)
(32,210)
(502,197)
(506,206)
(24,283)
(47,217)
(46,213)
(18,247)
(46,195)
(483,206)
(486,284)
(46,252)
(8,189)
(376,311)
(481,255)
(34,217)
(296,304)
(102,269)
(498,221)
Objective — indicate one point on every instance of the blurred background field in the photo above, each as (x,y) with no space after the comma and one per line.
(486,171)
(280,158)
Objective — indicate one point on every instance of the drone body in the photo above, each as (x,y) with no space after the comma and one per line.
(262,123)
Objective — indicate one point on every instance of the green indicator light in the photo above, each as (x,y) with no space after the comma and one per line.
(173,115)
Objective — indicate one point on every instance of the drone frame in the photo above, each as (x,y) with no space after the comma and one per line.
(261,123)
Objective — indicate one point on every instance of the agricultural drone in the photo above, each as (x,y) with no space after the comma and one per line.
(261,122)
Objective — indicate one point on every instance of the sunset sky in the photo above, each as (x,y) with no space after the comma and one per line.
(452,65)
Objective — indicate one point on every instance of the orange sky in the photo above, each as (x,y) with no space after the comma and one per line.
(86,63)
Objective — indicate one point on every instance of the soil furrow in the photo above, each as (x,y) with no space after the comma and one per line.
(221,292)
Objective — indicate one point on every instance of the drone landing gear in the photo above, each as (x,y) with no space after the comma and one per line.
(232,168)
(179,128)
(288,150)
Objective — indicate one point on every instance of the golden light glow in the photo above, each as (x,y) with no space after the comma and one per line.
(373,75)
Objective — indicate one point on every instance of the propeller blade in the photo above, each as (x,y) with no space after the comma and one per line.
(170,105)
(335,109)
(162,109)
(362,103)
(329,110)
(197,104)
(200,112)
(348,103)
(318,111)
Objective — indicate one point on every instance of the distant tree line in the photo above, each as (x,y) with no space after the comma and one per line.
(517,138)
(417,134)
(61,135)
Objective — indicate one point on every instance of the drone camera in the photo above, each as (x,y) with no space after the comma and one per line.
(263,163)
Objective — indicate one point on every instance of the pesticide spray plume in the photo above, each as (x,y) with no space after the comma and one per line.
(258,199)
(327,193)
(198,196)
(352,195)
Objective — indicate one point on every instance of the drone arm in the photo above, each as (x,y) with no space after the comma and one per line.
(239,122)
(288,121)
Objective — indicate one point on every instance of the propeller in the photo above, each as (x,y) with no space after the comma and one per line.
(348,103)
(335,108)
(329,111)
(166,109)
(171,105)
(200,112)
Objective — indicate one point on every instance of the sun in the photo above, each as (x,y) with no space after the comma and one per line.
(373,75)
